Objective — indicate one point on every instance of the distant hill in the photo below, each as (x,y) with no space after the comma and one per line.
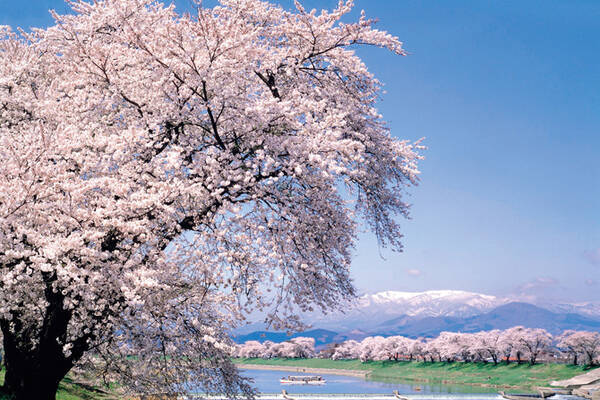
(398,308)
(321,336)
(372,309)
(502,317)
(530,316)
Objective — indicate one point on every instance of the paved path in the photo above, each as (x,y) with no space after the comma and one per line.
(589,378)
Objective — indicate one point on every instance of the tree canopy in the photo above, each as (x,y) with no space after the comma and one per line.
(163,175)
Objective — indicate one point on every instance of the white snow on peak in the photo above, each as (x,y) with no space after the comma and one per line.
(391,295)
(430,303)
(375,308)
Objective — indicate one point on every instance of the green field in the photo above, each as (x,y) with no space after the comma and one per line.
(70,390)
(521,376)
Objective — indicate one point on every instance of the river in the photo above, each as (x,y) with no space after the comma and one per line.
(339,387)
(268,382)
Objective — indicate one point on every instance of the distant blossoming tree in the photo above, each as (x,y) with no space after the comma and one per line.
(250,349)
(510,343)
(161,176)
(535,342)
(583,344)
(488,345)
(348,350)
(432,350)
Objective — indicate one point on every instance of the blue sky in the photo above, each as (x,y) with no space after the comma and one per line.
(507,95)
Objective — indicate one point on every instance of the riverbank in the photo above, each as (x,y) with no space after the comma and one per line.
(308,370)
(500,376)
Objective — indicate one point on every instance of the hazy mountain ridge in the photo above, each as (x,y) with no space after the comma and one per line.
(321,336)
(502,317)
(426,314)
(589,308)
(374,309)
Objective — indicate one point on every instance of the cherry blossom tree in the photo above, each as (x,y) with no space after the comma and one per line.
(432,350)
(488,344)
(455,345)
(250,349)
(393,347)
(510,343)
(568,346)
(372,348)
(535,341)
(295,348)
(402,347)
(348,350)
(302,347)
(581,343)
(161,176)
(415,349)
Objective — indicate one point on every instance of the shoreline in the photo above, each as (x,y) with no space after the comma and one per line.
(324,371)
(475,375)
(362,374)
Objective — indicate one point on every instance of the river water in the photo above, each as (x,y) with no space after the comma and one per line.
(339,387)
(268,382)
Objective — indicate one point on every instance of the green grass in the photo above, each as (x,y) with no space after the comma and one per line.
(71,390)
(521,376)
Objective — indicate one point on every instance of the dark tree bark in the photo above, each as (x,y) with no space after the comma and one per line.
(34,373)
(31,376)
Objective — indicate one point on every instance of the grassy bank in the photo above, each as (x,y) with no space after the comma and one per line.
(71,390)
(521,376)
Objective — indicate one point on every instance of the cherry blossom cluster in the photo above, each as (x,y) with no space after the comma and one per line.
(517,344)
(299,347)
(163,175)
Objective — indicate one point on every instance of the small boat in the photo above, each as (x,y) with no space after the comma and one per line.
(302,380)
(519,396)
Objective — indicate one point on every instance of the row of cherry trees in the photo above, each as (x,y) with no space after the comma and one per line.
(516,344)
(300,347)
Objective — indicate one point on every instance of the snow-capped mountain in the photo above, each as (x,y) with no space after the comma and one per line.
(371,309)
(589,308)
(432,303)
(427,313)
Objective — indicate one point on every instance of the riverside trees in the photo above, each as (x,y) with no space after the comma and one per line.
(485,346)
(300,347)
(161,176)
(581,344)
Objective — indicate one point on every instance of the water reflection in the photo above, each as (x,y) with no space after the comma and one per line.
(268,382)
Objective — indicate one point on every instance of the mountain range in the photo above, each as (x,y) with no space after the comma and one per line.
(426,314)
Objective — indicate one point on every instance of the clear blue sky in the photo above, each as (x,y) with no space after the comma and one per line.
(507,94)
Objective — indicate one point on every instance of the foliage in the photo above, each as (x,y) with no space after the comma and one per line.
(516,343)
(162,176)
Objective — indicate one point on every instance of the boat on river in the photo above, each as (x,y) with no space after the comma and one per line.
(302,380)
(519,396)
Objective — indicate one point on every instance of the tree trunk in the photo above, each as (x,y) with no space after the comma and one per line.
(34,358)
(532,360)
(32,374)
(26,381)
